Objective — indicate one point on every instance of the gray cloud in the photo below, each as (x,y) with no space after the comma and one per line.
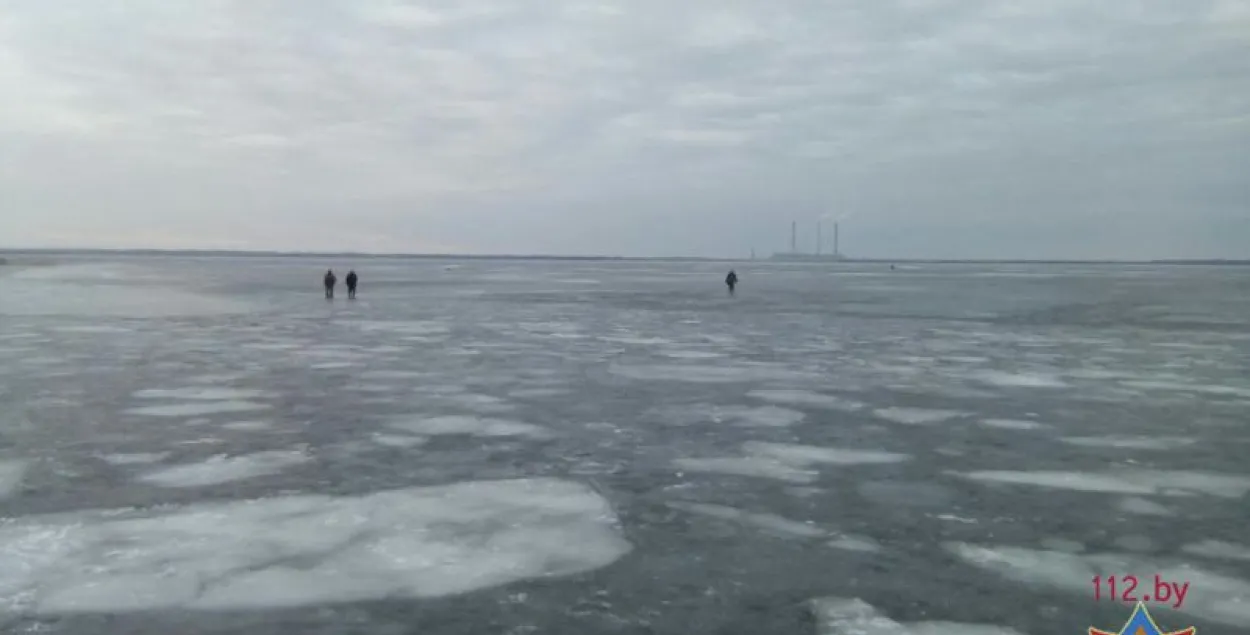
(941,127)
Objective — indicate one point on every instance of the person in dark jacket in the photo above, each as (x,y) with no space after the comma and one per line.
(352,279)
(330,280)
(731,281)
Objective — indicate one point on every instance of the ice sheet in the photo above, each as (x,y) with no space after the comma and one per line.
(11,472)
(852,616)
(224,469)
(1218,597)
(1142,507)
(307,550)
(748,466)
(711,374)
(397,440)
(248,426)
(200,393)
(135,458)
(1012,424)
(804,455)
(1018,380)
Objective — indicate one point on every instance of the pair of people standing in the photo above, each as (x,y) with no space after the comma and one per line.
(331,281)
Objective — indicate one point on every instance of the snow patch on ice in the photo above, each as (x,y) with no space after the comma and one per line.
(11,473)
(225,469)
(1012,424)
(771,523)
(1130,442)
(1177,483)
(844,616)
(791,397)
(471,425)
(916,416)
(308,550)
(1220,599)
(134,458)
(1218,550)
(197,409)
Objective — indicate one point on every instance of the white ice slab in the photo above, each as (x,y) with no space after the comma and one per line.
(792,397)
(771,523)
(538,393)
(198,393)
(1212,596)
(197,409)
(1219,550)
(307,550)
(916,416)
(135,458)
(11,473)
(1131,442)
(852,616)
(1012,424)
(1174,483)
(764,417)
(471,425)
(863,544)
(224,469)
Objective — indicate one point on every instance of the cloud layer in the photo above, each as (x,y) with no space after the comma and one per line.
(934,127)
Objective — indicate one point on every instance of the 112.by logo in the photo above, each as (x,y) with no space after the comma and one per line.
(1141,623)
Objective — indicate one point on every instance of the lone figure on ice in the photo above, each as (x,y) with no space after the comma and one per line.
(330,281)
(731,281)
(351,284)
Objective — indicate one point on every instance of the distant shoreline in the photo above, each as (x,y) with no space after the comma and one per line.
(6,258)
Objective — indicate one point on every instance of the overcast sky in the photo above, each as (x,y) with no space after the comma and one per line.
(932,128)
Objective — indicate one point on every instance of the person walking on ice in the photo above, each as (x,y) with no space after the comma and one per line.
(352,279)
(330,280)
(731,281)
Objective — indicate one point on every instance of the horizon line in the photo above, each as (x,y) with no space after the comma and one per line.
(601,257)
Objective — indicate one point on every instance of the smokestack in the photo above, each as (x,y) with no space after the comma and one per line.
(818,245)
(835,240)
(794,237)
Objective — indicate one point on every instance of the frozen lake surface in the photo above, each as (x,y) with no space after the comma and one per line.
(208,446)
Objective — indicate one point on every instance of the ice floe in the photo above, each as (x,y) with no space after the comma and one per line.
(847,616)
(248,426)
(1216,597)
(397,440)
(11,473)
(307,550)
(787,462)
(792,397)
(847,542)
(1018,380)
(197,408)
(764,416)
(224,469)
(1219,550)
(1012,424)
(199,393)
(722,373)
(916,416)
(134,458)
(1142,507)
(471,425)
(771,523)
(1172,483)
(1130,442)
